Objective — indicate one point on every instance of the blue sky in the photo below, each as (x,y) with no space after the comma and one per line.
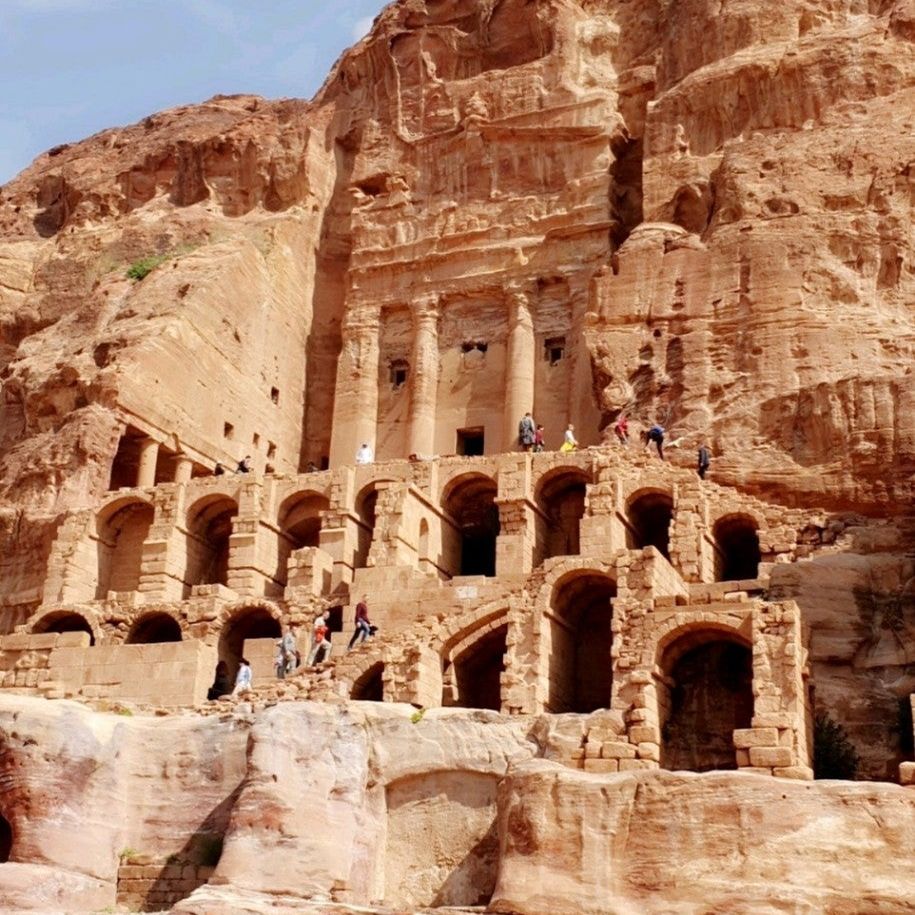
(69,68)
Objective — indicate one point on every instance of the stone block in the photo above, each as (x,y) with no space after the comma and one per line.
(743,758)
(802,773)
(614,749)
(744,738)
(649,751)
(771,756)
(634,765)
(602,765)
(644,734)
(907,773)
(773,720)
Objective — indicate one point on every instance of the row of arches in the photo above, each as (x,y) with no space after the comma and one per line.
(467,544)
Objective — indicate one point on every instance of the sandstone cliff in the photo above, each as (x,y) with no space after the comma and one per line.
(318,808)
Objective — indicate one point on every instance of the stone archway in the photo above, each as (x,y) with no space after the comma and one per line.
(650,515)
(65,621)
(299,523)
(242,626)
(470,503)
(737,554)
(122,530)
(209,529)
(705,695)
(476,670)
(369,686)
(578,641)
(560,496)
(153,628)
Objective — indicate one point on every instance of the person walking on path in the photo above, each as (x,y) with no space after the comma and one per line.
(363,627)
(320,644)
(704,461)
(365,455)
(621,429)
(538,439)
(290,654)
(569,442)
(656,434)
(243,677)
(527,429)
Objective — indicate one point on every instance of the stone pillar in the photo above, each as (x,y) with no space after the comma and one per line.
(424,378)
(184,469)
(356,399)
(519,369)
(146,472)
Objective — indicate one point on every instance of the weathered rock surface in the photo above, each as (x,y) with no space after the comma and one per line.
(332,808)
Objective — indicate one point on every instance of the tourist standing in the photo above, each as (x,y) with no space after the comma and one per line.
(704,461)
(621,429)
(527,429)
(320,644)
(290,652)
(365,454)
(538,439)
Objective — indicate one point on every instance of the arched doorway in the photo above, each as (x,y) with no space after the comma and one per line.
(477,671)
(65,621)
(122,532)
(579,643)
(208,531)
(706,694)
(561,499)
(250,623)
(650,515)
(369,687)
(299,519)
(737,553)
(470,503)
(153,628)
(6,840)
(366,504)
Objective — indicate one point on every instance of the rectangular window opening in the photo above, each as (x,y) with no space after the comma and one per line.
(271,451)
(554,349)
(470,442)
(228,431)
(275,395)
(255,439)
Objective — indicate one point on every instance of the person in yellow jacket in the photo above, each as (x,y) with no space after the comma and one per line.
(570,443)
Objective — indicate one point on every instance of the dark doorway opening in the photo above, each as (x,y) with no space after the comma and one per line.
(581,642)
(65,622)
(6,840)
(478,672)
(256,623)
(738,554)
(209,533)
(470,442)
(156,627)
(370,686)
(561,498)
(709,693)
(650,516)
(471,504)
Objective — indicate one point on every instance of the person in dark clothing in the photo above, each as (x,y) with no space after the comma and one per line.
(244,465)
(218,470)
(656,434)
(221,684)
(704,461)
(363,627)
(527,429)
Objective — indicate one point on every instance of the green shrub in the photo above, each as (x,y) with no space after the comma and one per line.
(143,267)
(834,755)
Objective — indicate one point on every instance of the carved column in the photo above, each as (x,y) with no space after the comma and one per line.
(519,369)
(184,468)
(146,472)
(356,399)
(424,379)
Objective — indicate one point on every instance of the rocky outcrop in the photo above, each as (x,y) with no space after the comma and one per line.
(318,808)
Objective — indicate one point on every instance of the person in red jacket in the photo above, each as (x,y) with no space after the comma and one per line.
(363,627)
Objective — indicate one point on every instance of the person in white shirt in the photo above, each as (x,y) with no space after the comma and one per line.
(365,455)
(242,678)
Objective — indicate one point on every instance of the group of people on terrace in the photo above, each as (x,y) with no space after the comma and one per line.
(287,657)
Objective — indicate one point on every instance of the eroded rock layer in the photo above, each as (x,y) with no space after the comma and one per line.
(455,808)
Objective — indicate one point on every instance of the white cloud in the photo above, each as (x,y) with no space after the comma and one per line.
(361,27)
